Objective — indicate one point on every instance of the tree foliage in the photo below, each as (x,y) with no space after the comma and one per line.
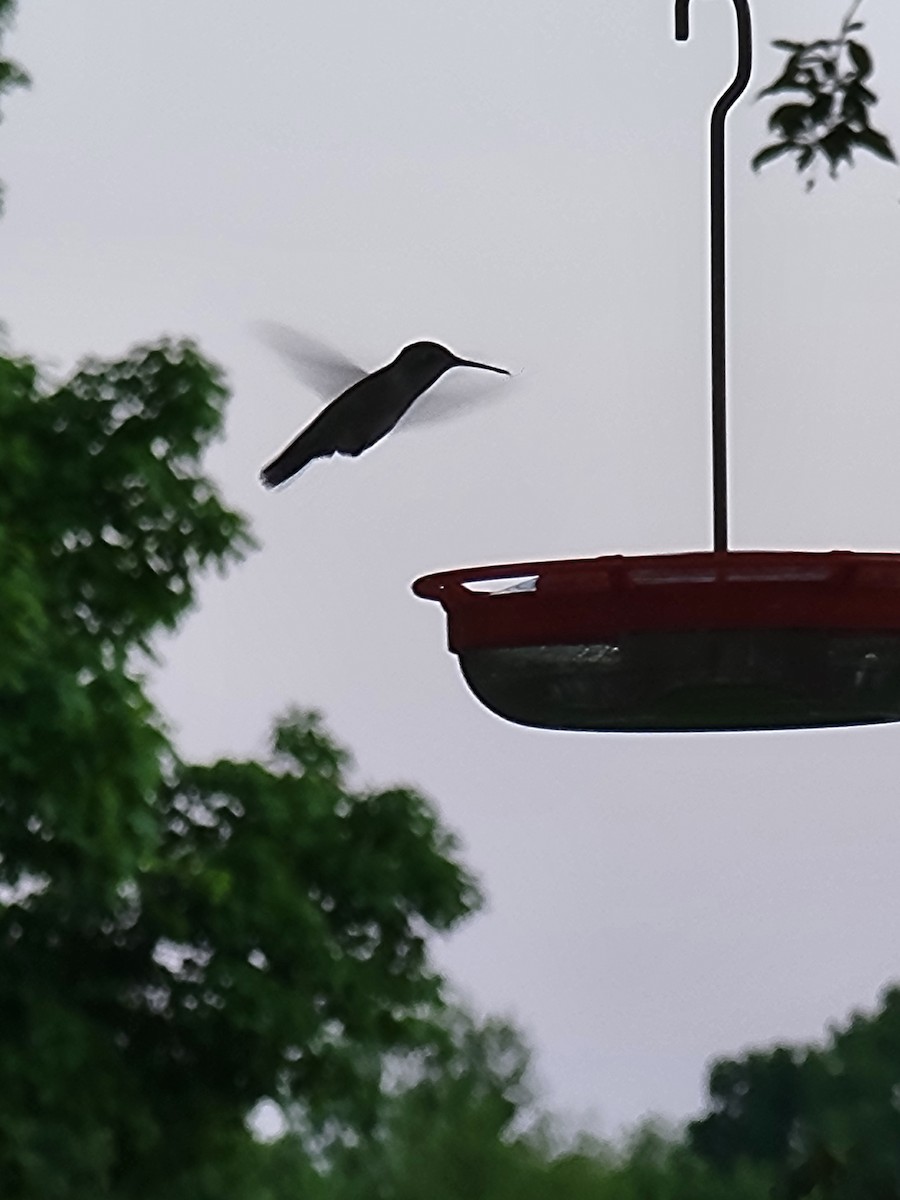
(11,74)
(828,116)
(176,940)
(822,1117)
(468,1127)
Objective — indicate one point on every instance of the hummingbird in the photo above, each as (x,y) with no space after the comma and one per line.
(368,407)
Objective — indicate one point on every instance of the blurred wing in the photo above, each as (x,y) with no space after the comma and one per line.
(455,394)
(321,368)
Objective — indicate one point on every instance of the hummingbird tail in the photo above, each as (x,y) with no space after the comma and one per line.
(302,450)
(270,476)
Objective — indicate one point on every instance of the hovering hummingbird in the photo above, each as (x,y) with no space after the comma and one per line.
(368,407)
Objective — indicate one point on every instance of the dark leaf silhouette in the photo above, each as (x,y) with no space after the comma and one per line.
(830,117)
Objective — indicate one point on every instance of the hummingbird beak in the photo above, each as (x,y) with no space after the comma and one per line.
(466,362)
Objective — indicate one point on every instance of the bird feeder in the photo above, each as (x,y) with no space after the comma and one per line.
(702,641)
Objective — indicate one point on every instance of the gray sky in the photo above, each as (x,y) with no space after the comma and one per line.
(526,183)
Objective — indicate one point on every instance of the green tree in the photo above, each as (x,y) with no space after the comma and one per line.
(755,1103)
(446,1127)
(468,1127)
(176,940)
(824,1118)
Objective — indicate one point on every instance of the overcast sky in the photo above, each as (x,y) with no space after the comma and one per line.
(525,182)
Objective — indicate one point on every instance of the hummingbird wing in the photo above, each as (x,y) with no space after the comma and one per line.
(454,395)
(323,369)
(329,373)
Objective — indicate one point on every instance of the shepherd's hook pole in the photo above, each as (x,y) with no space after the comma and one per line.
(717,254)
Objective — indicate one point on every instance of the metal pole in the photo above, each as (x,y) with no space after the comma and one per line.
(717,255)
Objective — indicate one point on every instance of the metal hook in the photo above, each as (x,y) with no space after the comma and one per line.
(717,253)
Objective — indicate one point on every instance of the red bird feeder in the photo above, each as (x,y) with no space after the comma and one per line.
(735,640)
(721,640)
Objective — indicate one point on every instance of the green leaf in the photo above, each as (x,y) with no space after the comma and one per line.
(791,119)
(862,60)
(821,108)
(768,153)
(853,109)
(837,146)
(877,143)
(787,81)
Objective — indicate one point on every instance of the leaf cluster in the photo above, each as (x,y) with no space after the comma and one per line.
(106,521)
(824,1118)
(830,115)
(177,941)
(11,73)
(455,1151)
